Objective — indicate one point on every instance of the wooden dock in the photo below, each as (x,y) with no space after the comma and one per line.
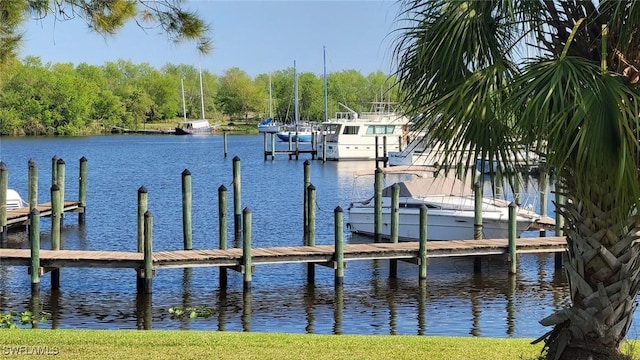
(20,217)
(321,254)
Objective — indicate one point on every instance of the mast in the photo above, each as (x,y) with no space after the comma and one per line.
(326,97)
(270,106)
(296,115)
(184,106)
(201,92)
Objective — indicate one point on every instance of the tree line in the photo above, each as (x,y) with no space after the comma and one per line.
(68,99)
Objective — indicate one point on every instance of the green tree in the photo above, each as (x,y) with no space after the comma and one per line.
(464,66)
(104,17)
(238,95)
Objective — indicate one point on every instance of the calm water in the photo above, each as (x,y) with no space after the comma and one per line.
(455,302)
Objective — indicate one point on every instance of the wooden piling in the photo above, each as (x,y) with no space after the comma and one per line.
(61,177)
(56,222)
(33,184)
(544,183)
(237,202)
(512,238)
(224,137)
(377,213)
(377,157)
(395,220)
(273,146)
(4,185)
(246,249)
(187,230)
(147,282)
(305,202)
(384,151)
(265,146)
(422,249)
(477,224)
(143,204)
(338,216)
(82,189)
(34,242)
(222,229)
(54,169)
(311,229)
(324,148)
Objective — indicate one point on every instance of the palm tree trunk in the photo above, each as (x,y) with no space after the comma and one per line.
(602,265)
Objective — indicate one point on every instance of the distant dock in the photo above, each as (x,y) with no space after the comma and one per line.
(121,130)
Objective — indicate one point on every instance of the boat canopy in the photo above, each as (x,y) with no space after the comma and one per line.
(425,186)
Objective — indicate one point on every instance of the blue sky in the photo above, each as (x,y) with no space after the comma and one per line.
(255,36)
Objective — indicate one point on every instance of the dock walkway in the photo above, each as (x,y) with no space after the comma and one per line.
(321,254)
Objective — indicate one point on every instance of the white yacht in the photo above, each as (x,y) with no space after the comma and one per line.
(352,135)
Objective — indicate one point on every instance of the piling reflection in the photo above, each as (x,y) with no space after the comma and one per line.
(309,305)
(422,307)
(144,311)
(35,306)
(222,305)
(54,305)
(338,309)
(186,295)
(511,304)
(246,310)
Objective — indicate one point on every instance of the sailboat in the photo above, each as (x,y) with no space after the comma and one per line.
(296,132)
(194,127)
(269,125)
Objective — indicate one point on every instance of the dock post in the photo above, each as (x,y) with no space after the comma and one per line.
(512,238)
(384,151)
(376,151)
(273,146)
(224,137)
(314,145)
(290,145)
(142,209)
(265,146)
(422,249)
(560,200)
(297,144)
(4,184)
(147,282)
(517,191)
(305,195)
(34,242)
(54,169)
(237,205)
(311,229)
(246,249)
(544,182)
(338,216)
(222,229)
(477,225)
(324,148)
(60,180)
(33,184)
(56,220)
(187,231)
(377,223)
(395,220)
(82,190)
(143,202)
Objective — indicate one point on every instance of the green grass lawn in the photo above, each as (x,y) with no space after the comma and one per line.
(157,344)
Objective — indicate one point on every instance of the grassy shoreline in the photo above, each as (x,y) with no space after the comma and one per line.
(165,344)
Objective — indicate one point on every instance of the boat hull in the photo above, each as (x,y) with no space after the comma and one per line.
(441,224)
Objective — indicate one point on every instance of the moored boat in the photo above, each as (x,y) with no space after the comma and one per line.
(451,211)
(353,136)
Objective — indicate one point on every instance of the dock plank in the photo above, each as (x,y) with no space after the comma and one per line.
(273,255)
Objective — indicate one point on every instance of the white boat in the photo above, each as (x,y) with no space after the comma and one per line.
(14,201)
(352,135)
(296,132)
(451,211)
(268,126)
(194,127)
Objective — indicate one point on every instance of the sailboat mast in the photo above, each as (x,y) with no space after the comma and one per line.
(295,91)
(326,96)
(201,92)
(270,105)
(184,106)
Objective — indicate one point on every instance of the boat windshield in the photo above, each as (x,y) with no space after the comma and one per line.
(330,129)
(380,129)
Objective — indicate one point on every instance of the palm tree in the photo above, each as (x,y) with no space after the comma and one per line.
(561,77)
